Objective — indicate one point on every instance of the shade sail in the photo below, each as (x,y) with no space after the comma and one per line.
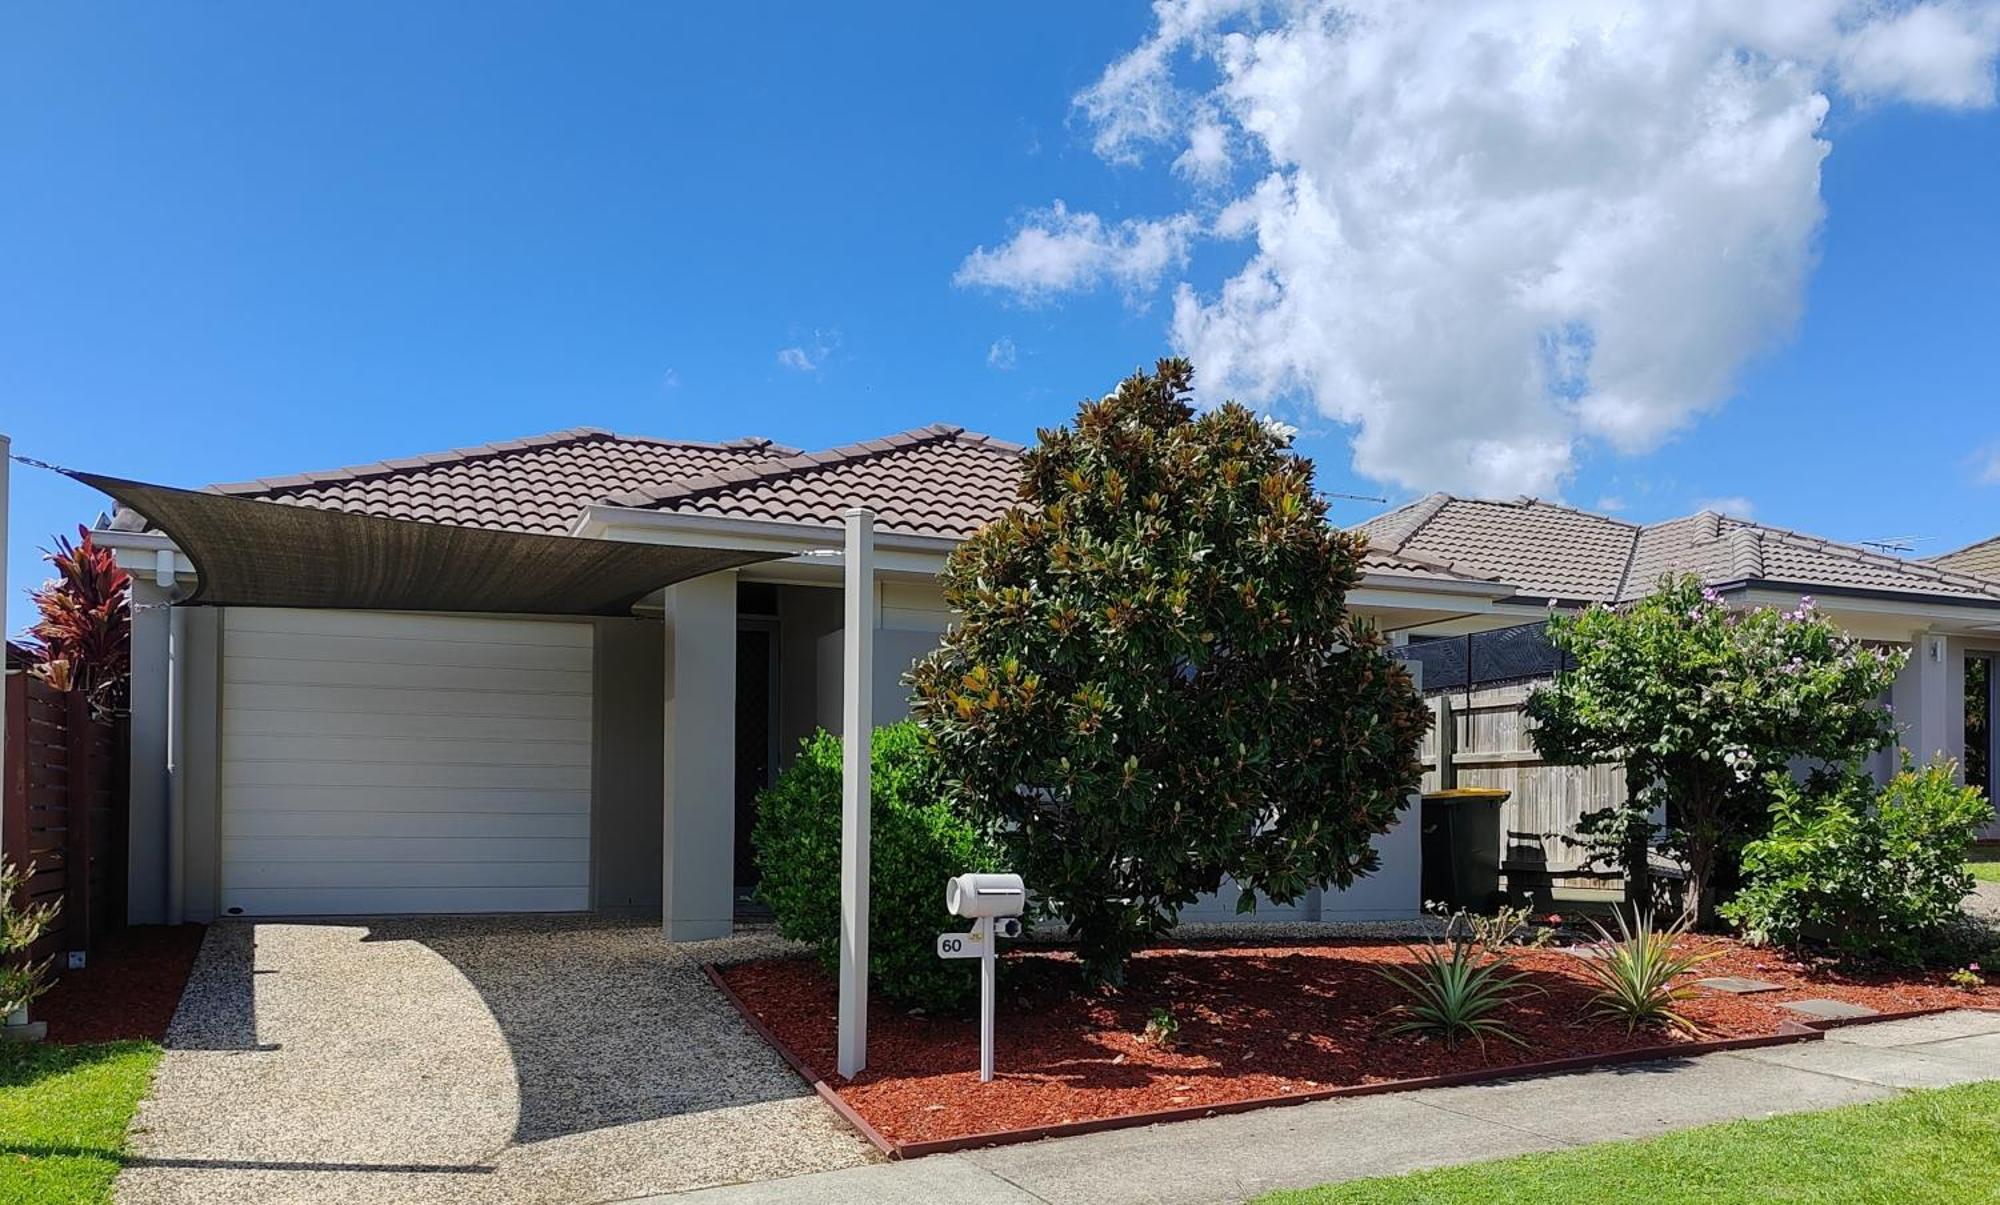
(270,554)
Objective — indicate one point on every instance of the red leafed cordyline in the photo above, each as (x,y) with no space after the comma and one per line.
(84,635)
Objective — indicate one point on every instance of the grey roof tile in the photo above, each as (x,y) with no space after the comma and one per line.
(1547,549)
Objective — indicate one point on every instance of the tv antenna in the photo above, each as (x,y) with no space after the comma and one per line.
(1902,545)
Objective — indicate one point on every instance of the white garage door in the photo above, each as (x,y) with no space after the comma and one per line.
(395,763)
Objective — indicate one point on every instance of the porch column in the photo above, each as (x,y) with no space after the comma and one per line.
(1929,699)
(698,830)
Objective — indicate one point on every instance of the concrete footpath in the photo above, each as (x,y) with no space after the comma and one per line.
(1227,1160)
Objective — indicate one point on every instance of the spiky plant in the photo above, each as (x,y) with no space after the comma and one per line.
(1454,993)
(84,635)
(1636,971)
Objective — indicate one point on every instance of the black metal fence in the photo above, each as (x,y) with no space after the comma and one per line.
(1517,654)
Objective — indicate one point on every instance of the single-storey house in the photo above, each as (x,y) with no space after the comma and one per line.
(548,674)
(551,674)
(1945,611)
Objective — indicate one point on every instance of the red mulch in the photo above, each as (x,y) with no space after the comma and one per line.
(128,990)
(1254,1022)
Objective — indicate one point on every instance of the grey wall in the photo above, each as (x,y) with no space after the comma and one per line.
(895,652)
(628,760)
(805,614)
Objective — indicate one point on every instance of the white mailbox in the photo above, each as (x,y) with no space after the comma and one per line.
(977,895)
(991,902)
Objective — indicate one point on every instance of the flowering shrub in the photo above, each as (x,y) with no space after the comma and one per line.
(1866,870)
(1701,702)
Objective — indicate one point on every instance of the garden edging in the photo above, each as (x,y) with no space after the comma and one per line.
(1789,1033)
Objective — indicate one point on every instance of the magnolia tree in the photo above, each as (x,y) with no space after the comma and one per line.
(1155,681)
(1700,701)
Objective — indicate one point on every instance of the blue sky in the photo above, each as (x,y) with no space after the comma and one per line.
(245,240)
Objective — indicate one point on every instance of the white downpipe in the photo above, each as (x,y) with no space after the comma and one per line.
(176,763)
(857,718)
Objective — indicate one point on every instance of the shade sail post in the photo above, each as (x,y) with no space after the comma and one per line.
(857,719)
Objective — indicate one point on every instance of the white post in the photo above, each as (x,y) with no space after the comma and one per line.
(857,718)
(988,984)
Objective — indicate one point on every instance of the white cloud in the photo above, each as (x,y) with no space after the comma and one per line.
(1056,249)
(1489,234)
(1002,355)
(1611,504)
(1986,464)
(810,358)
(1735,506)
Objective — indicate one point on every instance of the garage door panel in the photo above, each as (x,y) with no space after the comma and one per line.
(406,625)
(265,800)
(329,876)
(239,724)
(399,750)
(290,646)
(378,763)
(386,675)
(403,901)
(309,699)
(571,825)
(376,774)
(404,849)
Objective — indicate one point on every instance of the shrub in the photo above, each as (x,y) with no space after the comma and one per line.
(84,632)
(1635,973)
(1156,682)
(1453,994)
(21,981)
(1701,701)
(1865,870)
(918,843)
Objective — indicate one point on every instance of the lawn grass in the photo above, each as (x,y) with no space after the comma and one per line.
(63,1112)
(1984,863)
(1941,1146)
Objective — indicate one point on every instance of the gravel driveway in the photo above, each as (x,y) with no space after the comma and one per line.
(466,1060)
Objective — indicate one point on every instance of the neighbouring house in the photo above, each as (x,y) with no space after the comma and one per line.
(549,674)
(1946,612)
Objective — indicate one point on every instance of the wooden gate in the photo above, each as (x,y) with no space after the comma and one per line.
(60,810)
(1481,739)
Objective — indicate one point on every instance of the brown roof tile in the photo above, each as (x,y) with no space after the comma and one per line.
(540,483)
(935,481)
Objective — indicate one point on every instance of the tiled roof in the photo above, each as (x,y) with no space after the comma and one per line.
(1378,560)
(1548,550)
(536,484)
(1981,559)
(935,481)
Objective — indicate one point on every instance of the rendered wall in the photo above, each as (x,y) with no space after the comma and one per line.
(628,759)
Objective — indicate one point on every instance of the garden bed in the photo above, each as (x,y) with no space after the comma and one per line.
(128,990)
(1256,1023)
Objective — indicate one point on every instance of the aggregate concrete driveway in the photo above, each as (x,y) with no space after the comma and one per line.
(466,1060)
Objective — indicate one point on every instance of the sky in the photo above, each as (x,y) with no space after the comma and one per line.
(1643,259)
